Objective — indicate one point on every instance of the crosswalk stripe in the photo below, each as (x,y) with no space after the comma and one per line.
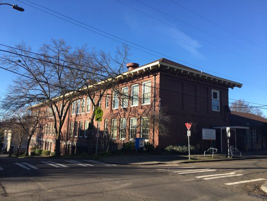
(23,166)
(194,171)
(214,175)
(78,163)
(97,162)
(245,181)
(61,165)
(225,176)
(31,166)
(50,164)
(1,168)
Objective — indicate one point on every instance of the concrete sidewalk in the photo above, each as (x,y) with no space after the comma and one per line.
(140,159)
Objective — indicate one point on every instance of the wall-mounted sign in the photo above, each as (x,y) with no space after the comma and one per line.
(208,134)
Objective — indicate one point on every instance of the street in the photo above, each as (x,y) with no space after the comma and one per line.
(81,179)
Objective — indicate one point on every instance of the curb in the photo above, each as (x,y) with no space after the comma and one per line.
(264,187)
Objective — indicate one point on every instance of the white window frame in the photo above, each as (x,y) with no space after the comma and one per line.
(88,105)
(146,93)
(123,127)
(124,97)
(115,100)
(71,129)
(73,107)
(114,128)
(78,106)
(134,95)
(146,129)
(83,106)
(133,128)
(107,101)
(80,129)
(215,102)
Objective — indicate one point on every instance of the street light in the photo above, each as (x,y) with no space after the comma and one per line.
(14,6)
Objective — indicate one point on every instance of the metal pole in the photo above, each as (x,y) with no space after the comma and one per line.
(188,148)
(97,136)
(228,151)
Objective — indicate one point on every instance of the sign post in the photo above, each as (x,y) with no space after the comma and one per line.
(188,126)
(98,118)
(228,135)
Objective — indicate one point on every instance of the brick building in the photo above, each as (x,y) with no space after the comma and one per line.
(157,89)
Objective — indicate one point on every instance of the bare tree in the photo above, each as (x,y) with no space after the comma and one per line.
(245,107)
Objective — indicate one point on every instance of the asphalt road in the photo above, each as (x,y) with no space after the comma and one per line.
(77,179)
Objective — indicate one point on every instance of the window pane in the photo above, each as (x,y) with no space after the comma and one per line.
(124,97)
(133,127)
(134,95)
(146,96)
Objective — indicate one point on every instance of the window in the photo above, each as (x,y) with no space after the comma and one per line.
(107,101)
(114,128)
(75,128)
(145,128)
(88,105)
(123,128)
(215,100)
(51,129)
(124,97)
(133,127)
(71,128)
(83,105)
(54,130)
(146,92)
(80,129)
(73,107)
(106,127)
(115,104)
(78,107)
(86,126)
(134,95)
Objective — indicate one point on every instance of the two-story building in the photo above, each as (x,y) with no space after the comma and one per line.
(137,105)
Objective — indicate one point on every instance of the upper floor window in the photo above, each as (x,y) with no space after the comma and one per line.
(215,95)
(115,102)
(88,105)
(146,92)
(107,101)
(83,105)
(134,94)
(124,97)
(78,107)
(73,107)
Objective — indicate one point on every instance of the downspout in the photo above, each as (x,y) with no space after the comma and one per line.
(154,108)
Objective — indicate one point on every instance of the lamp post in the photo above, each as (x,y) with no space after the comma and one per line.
(14,6)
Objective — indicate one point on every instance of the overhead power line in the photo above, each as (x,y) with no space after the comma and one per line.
(121,40)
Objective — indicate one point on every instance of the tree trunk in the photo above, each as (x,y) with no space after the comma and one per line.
(58,151)
(20,141)
(28,145)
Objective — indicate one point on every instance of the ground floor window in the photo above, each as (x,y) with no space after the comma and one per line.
(145,128)
(123,128)
(133,127)
(114,128)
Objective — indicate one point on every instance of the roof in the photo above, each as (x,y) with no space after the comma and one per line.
(181,69)
(246,119)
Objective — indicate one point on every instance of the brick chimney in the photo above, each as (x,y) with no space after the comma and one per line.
(132,66)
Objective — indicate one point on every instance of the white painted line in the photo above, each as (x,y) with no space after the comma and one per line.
(23,166)
(31,166)
(50,164)
(1,168)
(92,161)
(61,165)
(219,177)
(214,175)
(78,163)
(245,181)
(194,171)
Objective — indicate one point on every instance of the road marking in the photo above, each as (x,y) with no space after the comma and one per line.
(23,166)
(51,163)
(194,171)
(214,175)
(31,166)
(78,163)
(222,176)
(1,168)
(245,181)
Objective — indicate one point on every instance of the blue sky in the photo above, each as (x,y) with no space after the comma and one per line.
(224,38)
